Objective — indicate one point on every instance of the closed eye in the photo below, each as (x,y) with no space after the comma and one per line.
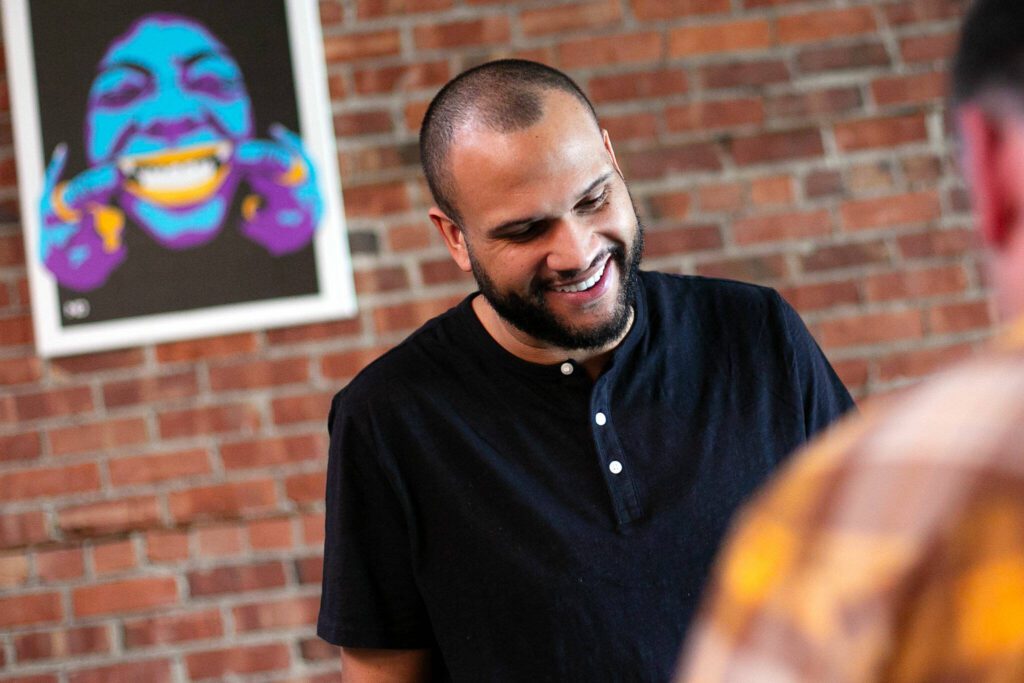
(593,204)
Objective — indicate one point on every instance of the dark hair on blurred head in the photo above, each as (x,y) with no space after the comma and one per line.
(990,59)
(504,95)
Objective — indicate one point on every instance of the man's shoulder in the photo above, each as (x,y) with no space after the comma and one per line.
(681,298)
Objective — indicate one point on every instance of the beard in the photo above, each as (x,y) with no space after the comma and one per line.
(532,315)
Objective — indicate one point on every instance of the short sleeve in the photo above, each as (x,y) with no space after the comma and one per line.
(369,597)
(821,393)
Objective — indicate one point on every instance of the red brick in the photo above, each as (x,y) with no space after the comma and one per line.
(153,671)
(959,317)
(315,332)
(777,146)
(414,112)
(238,660)
(108,558)
(12,250)
(236,579)
(819,295)
(277,614)
(20,370)
(682,240)
(267,452)
(916,11)
(675,205)
(53,403)
(837,256)
(368,201)
(937,243)
(411,314)
(823,183)
(303,408)
(150,389)
(26,610)
(395,79)
(125,514)
(331,12)
(752,268)
(715,114)
(313,529)
(853,373)
(650,10)
(720,197)
(885,212)
(129,595)
(18,447)
(173,628)
(881,132)
(14,571)
(41,678)
(310,569)
(772,191)
(220,541)
(825,25)
(631,126)
(916,89)
(271,534)
(355,46)
(570,18)
(731,36)
(362,123)
(782,226)
(410,237)
(870,178)
(929,47)
(743,74)
(306,488)
(98,436)
(381,279)
(51,481)
(841,57)
(209,420)
(915,284)
(624,48)
(489,30)
(348,364)
(815,103)
(60,564)
(15,330)
(224,500)
(24,528)
(923,169)
(202,349)
(638,85)
(920,362)
(73,642)
(151,469)
(166,546)
(98,362)
(667,160)
(369,9)
(442,271)
(317,650)
(259,374)
(870,328)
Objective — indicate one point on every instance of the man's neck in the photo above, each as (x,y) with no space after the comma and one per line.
(522,345)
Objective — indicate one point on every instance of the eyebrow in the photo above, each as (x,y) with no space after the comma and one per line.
(501,227)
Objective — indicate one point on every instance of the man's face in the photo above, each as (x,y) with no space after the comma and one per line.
(550,230)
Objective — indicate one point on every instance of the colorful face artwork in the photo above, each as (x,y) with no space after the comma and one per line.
(170,141)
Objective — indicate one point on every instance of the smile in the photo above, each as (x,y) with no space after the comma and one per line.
(177,177)
(585,284)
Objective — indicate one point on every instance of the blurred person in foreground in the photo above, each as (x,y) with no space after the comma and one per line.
(533,485)
(893,548)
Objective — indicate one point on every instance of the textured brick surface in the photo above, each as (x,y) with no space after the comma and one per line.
(163,515)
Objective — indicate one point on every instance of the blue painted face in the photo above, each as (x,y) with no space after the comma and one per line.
(168,109)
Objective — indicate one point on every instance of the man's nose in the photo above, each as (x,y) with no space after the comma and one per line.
(573,247)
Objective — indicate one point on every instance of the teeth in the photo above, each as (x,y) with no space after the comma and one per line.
(179,176)
(586,284)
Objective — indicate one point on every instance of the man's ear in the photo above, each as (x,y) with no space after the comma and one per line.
(611,152)
(454,237)
(994,204)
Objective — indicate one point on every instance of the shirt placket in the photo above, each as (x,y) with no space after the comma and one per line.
(619,474)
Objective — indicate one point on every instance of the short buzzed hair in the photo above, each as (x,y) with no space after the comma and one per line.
(990,59)
(504,95)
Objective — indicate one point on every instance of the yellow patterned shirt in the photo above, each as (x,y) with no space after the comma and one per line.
(891,550)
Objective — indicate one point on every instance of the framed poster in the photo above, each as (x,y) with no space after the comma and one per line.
(177,169)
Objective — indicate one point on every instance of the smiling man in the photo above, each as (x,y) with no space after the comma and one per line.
(532,486)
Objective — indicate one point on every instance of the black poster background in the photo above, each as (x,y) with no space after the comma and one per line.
(69,39)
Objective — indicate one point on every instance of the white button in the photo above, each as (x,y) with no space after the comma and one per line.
(600,419)
(615,467)
(566,368)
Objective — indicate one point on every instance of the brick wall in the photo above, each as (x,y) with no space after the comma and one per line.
(161,506)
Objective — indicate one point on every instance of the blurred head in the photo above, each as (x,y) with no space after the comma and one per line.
(530,199)
(988,97)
